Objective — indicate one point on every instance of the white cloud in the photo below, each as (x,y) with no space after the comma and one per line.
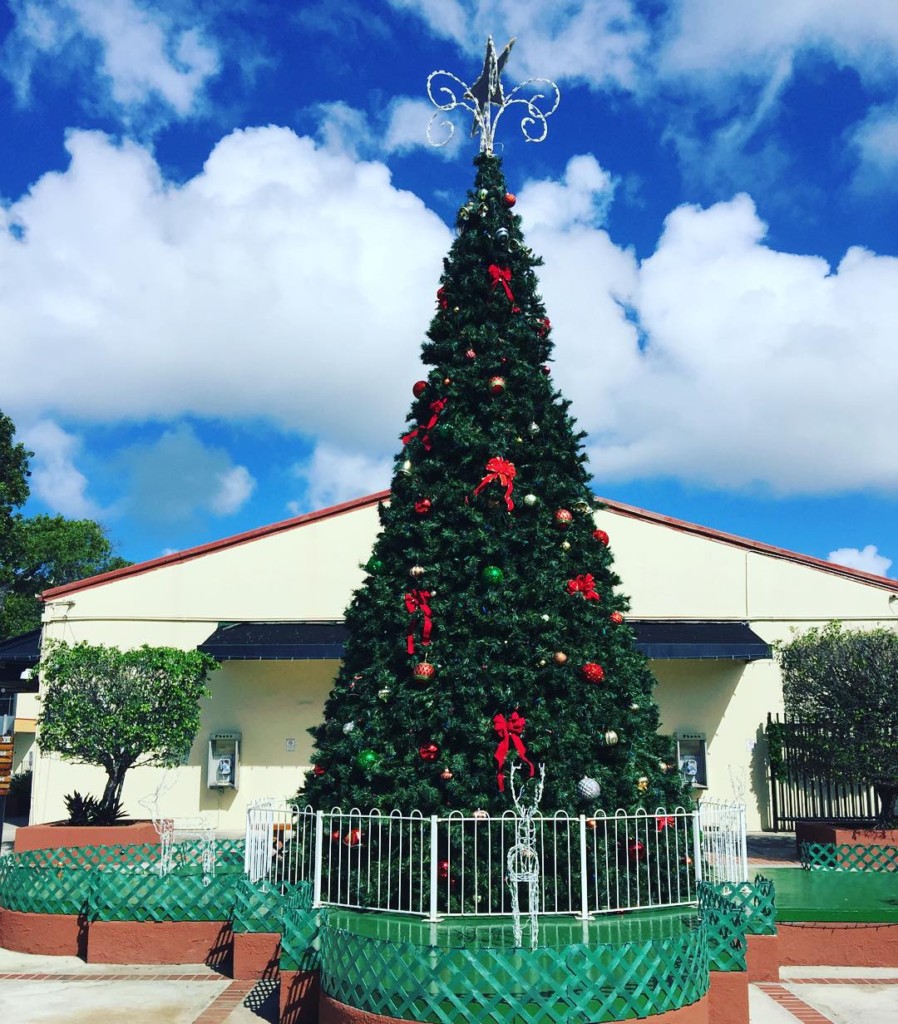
(333,475)
(581,198)
(737,39)
(407,126)
(236,486)
(283,281)
(757,367)
(876,142)
(866,559)
(600,42)
(55,478)
(147,56)
(177,475)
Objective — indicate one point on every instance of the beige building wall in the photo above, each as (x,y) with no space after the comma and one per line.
(307,571)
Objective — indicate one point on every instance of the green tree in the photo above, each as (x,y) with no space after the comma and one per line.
(120,709)
(48,551)
(489,581)
(13,494)
(842,686)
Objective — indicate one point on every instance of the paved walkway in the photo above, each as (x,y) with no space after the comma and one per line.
(65,990)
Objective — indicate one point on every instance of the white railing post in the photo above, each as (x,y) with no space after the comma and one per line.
(697,844)
(434,875)
(743,836)
(319,853)
(584,895)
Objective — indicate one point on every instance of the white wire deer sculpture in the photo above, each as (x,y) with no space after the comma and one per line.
(172,831)
(522,859)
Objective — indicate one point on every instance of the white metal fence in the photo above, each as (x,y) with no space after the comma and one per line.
(442,866)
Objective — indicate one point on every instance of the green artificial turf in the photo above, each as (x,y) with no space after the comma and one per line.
(862,896)
(453,933)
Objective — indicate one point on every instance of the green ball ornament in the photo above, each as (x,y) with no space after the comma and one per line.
(492,574)
(368,759)
(374,565)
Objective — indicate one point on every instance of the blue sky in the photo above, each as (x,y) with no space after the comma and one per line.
(224,229)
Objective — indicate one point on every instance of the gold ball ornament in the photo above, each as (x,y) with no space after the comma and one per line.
(416,571)
(642,783)
(560,658)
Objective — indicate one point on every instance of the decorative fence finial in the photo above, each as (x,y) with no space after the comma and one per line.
(486,93)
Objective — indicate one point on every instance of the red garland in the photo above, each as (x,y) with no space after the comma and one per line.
(425,428)
(501,275)
(442,300)
(503,471)
(510,730)
(584,585)
(419,600)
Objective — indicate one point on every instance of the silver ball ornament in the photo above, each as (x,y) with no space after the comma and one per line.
(610,738)
(531,500)
(348,728)
(533,429)
(384,694)
(588,788)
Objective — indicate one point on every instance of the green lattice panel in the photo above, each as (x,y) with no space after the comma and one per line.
(724,923)
(258,907)
(846,857)
(756,900)
(300,939)
(549,985)
(147,896)
(52,889)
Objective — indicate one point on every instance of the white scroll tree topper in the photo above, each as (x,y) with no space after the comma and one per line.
(448,92)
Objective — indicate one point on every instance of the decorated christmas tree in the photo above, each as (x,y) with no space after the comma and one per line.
(489,629)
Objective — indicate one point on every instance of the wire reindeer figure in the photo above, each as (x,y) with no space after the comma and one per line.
(522,860)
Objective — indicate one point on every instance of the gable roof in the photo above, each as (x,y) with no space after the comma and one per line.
(617,507)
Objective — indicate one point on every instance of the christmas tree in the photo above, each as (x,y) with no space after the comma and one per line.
(489,629)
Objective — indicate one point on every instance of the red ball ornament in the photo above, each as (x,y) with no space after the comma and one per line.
(336,836)
(423,506)
(428,752)
(563,518)
(616,618)
(443,869)
(317,770)
(600,536)
(546,370)
(470,355)
(510,199)
(496,385)
(635,850)
(419,387)
(592,672)
(353,837)
(423,672)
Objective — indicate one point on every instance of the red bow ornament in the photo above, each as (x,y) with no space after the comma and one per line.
(503,471)
(663,821)
(442,300)
(510,730)
(584,585)
(501,275)
(424,429)
(419,601)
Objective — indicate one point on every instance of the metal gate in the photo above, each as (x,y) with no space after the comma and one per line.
(795,795)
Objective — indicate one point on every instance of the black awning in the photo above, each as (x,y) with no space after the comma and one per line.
(17,654)
(676,639)
(276,641)
(315,641)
